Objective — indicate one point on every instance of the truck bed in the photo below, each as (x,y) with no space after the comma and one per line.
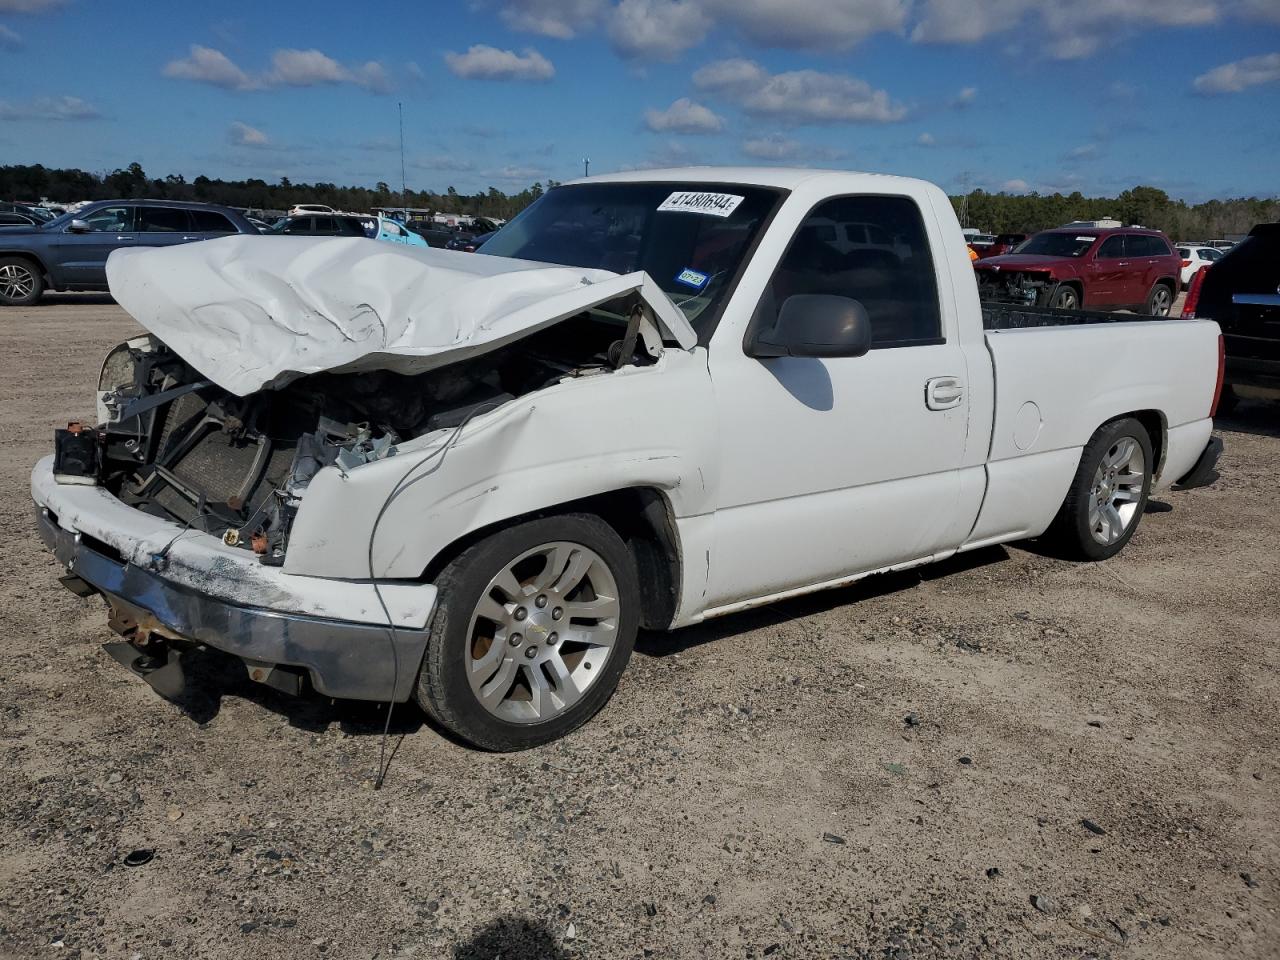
(1009,316)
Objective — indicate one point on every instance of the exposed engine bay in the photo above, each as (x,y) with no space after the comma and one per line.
(177,446)
(1022,287)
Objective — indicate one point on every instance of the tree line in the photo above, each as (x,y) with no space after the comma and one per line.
(1146,206)
(37,182)
(994,212)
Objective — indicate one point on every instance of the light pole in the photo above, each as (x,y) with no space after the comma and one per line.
(586,166)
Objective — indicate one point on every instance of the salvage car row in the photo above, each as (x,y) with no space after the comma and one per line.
(69,252)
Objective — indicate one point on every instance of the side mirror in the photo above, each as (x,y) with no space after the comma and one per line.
(78,226)
(815,325)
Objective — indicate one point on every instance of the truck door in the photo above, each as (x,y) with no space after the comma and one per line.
(1108,274)
(831,467)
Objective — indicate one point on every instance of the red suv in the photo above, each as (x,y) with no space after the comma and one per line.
(1073,268)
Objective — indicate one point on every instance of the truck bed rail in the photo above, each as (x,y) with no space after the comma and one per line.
(1009,316)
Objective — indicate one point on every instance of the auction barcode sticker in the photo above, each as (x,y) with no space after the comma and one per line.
(711,204)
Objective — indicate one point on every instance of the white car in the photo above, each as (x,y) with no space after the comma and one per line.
(1194,257)
(302,209)
(469,480)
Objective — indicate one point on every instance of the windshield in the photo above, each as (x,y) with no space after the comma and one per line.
(1058,244)
(690,238)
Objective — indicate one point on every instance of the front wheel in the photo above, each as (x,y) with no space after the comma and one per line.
(1108,493)
(532,630)
(21,282)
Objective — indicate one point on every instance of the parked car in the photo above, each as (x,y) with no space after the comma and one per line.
(1222,245)
(694,405)
(1004,243)
(394,231)
(331,225)
(1077,268)
(260,225)
(70,252)
(436,236)
(19,220)
(302,209)
(1242,293)
(36,214)
(1194,258)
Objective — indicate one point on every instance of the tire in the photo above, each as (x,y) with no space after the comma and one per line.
(21,282)
(517,646)
(1066,298)
(1159,301)
(1081,531)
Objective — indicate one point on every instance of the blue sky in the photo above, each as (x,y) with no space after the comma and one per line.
(1095,95)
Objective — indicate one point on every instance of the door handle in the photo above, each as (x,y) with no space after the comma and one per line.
(124,238)
(190,238)
(943,393)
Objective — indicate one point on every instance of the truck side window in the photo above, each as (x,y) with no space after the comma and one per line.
(1112,248)
(879,256)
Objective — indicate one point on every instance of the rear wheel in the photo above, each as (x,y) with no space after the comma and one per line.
(533,628)
(1108,493)
(1159,300)
(21,282)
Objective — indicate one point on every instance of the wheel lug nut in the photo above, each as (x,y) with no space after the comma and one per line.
(557,613)
(531,652)
(521,613)
(552,639)
(541,601)
(516,640)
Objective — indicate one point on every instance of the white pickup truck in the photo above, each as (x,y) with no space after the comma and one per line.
(656,397)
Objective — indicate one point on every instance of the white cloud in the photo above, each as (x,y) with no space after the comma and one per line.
(965,97)
(443,161)
(9,39)
(1240,75)
(1015,186)
(243,135)
(1087,151)
(798,96)
(561,19)
(482,62)
(683,116)
(29,6)
(809,24)
(657,29)
(926,140)
(777,149)
(513,173)
(289,68)
(49,108)
(206,65)
(1072,30)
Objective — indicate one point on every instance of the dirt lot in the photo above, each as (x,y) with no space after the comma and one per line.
(755,788)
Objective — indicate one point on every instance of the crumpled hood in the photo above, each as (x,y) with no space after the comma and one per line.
(253,312)
(1024,261)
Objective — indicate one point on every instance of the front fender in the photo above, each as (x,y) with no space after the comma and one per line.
(639,426)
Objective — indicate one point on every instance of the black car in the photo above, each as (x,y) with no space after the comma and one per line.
(1242,293)
(70,252)
(29,213)
(8,219)
(327,225)
(435,236)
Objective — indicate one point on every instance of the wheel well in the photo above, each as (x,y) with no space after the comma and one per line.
(29,257)
(1154,423)
(1075,285)
(641,516)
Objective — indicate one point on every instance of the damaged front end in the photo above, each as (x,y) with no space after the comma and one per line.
(1027,288)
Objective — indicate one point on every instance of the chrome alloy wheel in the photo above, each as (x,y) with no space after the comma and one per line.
(1161,301)
(16,281)
(542,632)
(1117,489)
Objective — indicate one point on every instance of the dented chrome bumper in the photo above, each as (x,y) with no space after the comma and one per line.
(332,629)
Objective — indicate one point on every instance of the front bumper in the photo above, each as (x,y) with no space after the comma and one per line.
(332,629)
(1205,471)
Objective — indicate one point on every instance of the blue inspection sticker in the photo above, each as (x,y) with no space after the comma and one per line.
(692,278)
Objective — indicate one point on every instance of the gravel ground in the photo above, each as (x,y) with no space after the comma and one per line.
(1006,755)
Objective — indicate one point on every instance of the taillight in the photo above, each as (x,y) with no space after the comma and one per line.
(1222,372)
(1193,294)
(1186,263)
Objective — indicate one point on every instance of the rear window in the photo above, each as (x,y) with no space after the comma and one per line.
(207,221)
(1144,245)
(162,220)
